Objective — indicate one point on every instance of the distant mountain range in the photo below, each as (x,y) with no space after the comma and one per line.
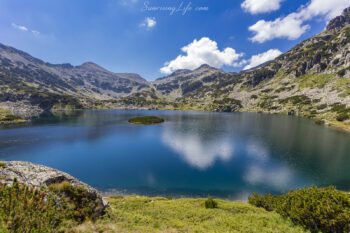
(312,79)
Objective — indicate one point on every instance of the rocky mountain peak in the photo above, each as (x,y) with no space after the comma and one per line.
(181,71)
(91,66)
(340,21)
(206,67)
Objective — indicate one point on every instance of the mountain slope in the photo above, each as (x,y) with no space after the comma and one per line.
(182,82)
(26,79)
(312,79)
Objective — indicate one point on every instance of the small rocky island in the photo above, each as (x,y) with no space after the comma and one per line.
(146,120)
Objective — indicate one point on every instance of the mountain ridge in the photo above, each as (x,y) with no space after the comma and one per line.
(308,80)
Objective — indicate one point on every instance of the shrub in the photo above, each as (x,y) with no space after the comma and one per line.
(341,73)
(297,99)
(267,202)
(340,108)
(322,106)
(319,122)
(316,209)
(342,117)
(24,209)
(2,164)
(80,203)
(210,203)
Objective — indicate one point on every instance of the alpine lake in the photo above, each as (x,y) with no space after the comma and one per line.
(194,154)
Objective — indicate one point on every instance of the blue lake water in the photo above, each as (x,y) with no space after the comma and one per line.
(192,154)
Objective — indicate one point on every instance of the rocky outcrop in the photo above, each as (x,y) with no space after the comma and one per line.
(340,21)
(39,176)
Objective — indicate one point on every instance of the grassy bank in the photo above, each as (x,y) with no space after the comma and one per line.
(61,207)
(145,214)
(6,117)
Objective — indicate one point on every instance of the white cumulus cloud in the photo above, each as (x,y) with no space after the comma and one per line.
(261,58)
(261,6)
(290,27)
(199,52)
(19,27)
(149,22)
(294,25)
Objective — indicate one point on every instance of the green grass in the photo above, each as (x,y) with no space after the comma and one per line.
(62,208)
(146,120)
(314,80)
(145,214)
(343,85)
(7,117)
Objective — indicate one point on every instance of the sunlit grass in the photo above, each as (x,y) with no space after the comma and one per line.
(145,214)
(314,80)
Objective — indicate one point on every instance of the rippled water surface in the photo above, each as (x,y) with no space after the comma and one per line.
(191,154)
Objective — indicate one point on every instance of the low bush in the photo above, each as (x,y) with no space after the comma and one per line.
(210,203)
(322,106)
(268,202)
(297,99)
(46,209)
(319,122)
(340,108)
(342,117)
(24,209)
(80,202)
(317,209)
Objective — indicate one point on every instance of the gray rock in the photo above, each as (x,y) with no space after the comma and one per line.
(340,21)
(34,175)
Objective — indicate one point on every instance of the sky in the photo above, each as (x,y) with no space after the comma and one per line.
(156,37)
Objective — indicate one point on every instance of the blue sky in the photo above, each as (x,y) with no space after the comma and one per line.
(124,36)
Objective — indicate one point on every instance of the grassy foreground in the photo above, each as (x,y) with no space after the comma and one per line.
(145,214)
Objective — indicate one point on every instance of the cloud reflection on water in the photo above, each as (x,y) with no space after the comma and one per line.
(196,152)
(202,151)
(278,177)
(263,170)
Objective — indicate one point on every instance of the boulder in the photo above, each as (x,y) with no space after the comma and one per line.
(38,176)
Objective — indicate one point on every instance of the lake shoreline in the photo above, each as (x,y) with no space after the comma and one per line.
(336,125)
(135,213)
